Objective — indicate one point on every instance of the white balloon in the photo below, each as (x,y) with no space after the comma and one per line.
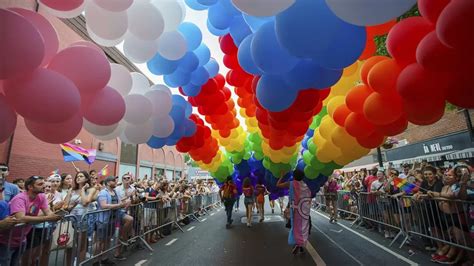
(114,5)
(98,130)
(369,12)
(105,24)
(172,45)
(161,101)
(114,134)
(173,13)
(140,83)
(64,14)
(138,109)
(163,126)
(137,50)
(163,88)
(102,41)
(145,21)
(263,8)
(120,79)
(138,134)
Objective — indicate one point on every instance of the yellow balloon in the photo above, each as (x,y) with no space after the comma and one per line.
(341,138)
(334,103)
(326,127)
(351,70)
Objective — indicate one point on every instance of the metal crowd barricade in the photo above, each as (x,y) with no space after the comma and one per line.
(347,204)
(441,220)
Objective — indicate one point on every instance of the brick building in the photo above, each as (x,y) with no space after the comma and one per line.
(28,156)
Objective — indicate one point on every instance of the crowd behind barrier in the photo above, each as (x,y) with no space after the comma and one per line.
(436,213)
(88,226)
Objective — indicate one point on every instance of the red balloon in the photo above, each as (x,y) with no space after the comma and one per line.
(358,126)
(227,45)
(434,55)
(369,49)
(22,46)
(356,96)
(56,133)
(461,93)
(367,66)
(431,10)
(424,112)
(380,29)
(85,66)
(340,114)
(404,37)
(231,61)
(97,114)
(383,76)
(415,83)
(8,118)
(372,141)
(43,96)
(62,5)
(393,128)
(454,26)
(382,109)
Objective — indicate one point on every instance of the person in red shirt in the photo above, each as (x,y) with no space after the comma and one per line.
(227,193)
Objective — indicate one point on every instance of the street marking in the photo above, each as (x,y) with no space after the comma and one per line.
(372,241)
(337,245)
(314,254)
(140,263)
(190,228)
(203,220)
(171,242)
(212,214)
(335,231)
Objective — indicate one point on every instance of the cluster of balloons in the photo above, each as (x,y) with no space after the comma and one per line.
(204,149)
(53,91)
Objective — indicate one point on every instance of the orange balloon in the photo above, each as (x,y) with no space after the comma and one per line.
(381,109)
(356,96)
(340,114)
(369,48)
(393,128)
(358,126)
(383,76)
(368,64)
(372,141)
(381,29)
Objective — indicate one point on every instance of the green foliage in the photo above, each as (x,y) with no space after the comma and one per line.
(189,161)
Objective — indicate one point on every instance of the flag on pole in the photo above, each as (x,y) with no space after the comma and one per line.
(73,153)
(402,184)
(104,171)
(55,172)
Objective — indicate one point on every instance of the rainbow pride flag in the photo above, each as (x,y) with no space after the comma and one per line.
(73,153)
(55,172)
(402,184)
(104,171)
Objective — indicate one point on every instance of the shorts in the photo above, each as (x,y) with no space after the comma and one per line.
(248,200)
(38,236)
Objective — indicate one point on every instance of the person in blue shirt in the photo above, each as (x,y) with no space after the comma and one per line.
(9,190)
(6,221)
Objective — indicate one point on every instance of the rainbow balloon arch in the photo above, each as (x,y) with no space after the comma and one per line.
(308,82)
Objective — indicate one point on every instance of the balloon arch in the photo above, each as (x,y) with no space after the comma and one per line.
(305,72)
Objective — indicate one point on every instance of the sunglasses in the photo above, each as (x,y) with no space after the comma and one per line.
(4,169)
(126,178)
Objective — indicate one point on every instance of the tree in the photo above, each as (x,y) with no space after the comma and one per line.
(189,161)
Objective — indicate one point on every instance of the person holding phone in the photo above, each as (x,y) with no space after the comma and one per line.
(6,221)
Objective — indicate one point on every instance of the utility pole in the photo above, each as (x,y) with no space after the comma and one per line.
(469,124)
(379,157)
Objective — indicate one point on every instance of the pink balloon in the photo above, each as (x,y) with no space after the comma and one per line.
(8,118)
(106,108)
(88,44)
(21,45)
(115,5)
(85,66)
(43,96)
(47,31)
(62,5)
(56,133)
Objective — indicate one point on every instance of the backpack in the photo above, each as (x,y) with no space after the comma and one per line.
(228,193)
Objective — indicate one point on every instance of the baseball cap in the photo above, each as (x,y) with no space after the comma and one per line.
(109,178)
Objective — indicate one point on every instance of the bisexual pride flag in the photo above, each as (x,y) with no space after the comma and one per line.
(73,153)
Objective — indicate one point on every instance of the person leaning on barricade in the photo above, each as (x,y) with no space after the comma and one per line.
(108,220)
(25,207)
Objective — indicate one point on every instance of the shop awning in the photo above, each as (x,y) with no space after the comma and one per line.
(462,154)
(357,168)
(429,157)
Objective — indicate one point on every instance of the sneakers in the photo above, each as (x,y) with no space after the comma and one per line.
(119,258)
(273,211)
(430,248)
(442,259)
(249,225)
(261,220)
(387,234)
(297,250)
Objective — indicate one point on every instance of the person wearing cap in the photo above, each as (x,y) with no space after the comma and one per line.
(227,193)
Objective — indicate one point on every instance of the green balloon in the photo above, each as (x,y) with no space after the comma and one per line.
(307,157)
(310,172)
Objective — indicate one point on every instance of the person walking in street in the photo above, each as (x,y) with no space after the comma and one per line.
(227,193)
(330,192)
(261,191)
(248,191)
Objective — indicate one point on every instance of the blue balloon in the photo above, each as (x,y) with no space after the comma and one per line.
(159,65)
(188,111)
(156,143)
(256,22)
(178,114)
(300,165)
(177,79)
(207,2)
(229,7)
(189,128)
(307,74)
(203,54)
(214,31)
(268,54)
(192,34)
(179,101)
(309,28)
(212,67)
(245,57)
(310,133)
(304,143)
(193,4)
(274,94)
(191,89)
(219,17)
(189,62)
(199,76)
(172,141)
(239,30)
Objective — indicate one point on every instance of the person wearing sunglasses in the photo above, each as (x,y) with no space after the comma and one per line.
(9,190)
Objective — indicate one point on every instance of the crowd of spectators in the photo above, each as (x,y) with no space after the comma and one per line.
(31,209)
